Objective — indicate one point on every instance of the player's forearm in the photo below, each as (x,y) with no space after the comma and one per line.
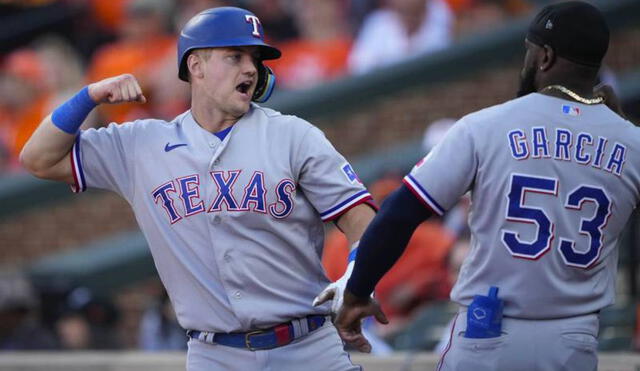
(354,222)
(385,240)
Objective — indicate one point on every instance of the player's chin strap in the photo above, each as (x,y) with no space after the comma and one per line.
(335,290)
(266,84)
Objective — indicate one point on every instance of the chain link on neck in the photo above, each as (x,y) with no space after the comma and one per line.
(575,96)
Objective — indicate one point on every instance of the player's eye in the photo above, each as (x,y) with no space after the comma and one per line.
(235,57)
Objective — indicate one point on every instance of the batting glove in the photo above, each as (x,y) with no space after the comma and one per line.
(335,291)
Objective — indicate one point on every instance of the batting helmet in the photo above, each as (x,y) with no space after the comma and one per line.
(225,27)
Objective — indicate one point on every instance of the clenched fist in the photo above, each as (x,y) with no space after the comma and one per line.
(118,89)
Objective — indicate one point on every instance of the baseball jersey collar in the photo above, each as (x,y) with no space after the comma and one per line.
(191,125)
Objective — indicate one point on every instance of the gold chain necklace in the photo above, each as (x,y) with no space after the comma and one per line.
(575,96)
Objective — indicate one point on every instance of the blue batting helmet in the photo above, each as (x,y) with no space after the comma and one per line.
(222,27)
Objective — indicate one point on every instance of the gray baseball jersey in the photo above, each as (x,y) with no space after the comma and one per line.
(234,225)
(552,185)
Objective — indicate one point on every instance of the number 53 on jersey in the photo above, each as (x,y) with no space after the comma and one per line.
(590,225)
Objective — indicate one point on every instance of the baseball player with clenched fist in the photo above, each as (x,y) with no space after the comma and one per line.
(554,178)
(231,197)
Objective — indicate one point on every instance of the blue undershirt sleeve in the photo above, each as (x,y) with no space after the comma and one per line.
(385,239)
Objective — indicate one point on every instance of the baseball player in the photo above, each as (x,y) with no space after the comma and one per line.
(231,197)
(553,178)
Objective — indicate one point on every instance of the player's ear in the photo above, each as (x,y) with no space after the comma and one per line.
(547,58)
(195,64)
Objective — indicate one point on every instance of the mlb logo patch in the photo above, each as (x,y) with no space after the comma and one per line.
(351,175)
(570,110)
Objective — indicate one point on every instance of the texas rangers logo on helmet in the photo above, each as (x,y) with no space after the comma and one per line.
(255,22)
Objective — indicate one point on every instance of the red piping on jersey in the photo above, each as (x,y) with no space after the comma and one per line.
(367,199)
(415,193)
(372,204)
(76,185)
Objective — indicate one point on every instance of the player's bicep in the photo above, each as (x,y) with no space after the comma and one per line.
(353,222)
(62,171)
(411,206)
(46,153)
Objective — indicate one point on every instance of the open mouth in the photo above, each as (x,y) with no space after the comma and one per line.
(244,87)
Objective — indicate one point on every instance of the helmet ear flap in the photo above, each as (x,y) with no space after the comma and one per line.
(266,84)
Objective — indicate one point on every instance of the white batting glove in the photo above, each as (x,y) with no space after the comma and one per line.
(335,291)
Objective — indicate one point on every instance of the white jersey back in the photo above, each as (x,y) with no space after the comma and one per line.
(235,226)
(552,184)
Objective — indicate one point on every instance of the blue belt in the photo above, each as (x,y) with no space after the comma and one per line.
(270,338)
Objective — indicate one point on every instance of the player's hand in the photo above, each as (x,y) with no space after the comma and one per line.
(335,291)
(118,89)
(350,316)
(610,98)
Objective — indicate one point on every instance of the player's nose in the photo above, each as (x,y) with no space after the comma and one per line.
(249,65)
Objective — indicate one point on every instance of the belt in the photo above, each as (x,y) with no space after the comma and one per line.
(270,338)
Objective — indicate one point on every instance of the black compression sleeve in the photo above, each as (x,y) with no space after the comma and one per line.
(385,239)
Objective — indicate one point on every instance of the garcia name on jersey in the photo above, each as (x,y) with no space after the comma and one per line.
(564,145)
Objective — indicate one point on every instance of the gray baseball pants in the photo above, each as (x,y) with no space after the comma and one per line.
(567,344)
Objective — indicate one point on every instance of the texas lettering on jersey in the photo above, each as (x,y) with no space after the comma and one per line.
(185,191)
(565,145)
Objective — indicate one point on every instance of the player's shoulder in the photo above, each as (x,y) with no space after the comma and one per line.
(614,119)
(155,123)
(508,108)
(150,126)
(136,130)
(279,121)
(624,128)
(132,127)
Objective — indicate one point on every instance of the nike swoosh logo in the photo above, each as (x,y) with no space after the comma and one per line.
(169,147)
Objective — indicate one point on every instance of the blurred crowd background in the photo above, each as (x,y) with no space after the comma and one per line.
(51,49)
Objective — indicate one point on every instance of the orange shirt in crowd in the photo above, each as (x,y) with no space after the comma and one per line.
(418,276)
(109,13)
(26,121)
(306,63)
(20,118)
(18,125)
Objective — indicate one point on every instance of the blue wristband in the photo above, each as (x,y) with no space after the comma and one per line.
(72,113)
(352,255)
